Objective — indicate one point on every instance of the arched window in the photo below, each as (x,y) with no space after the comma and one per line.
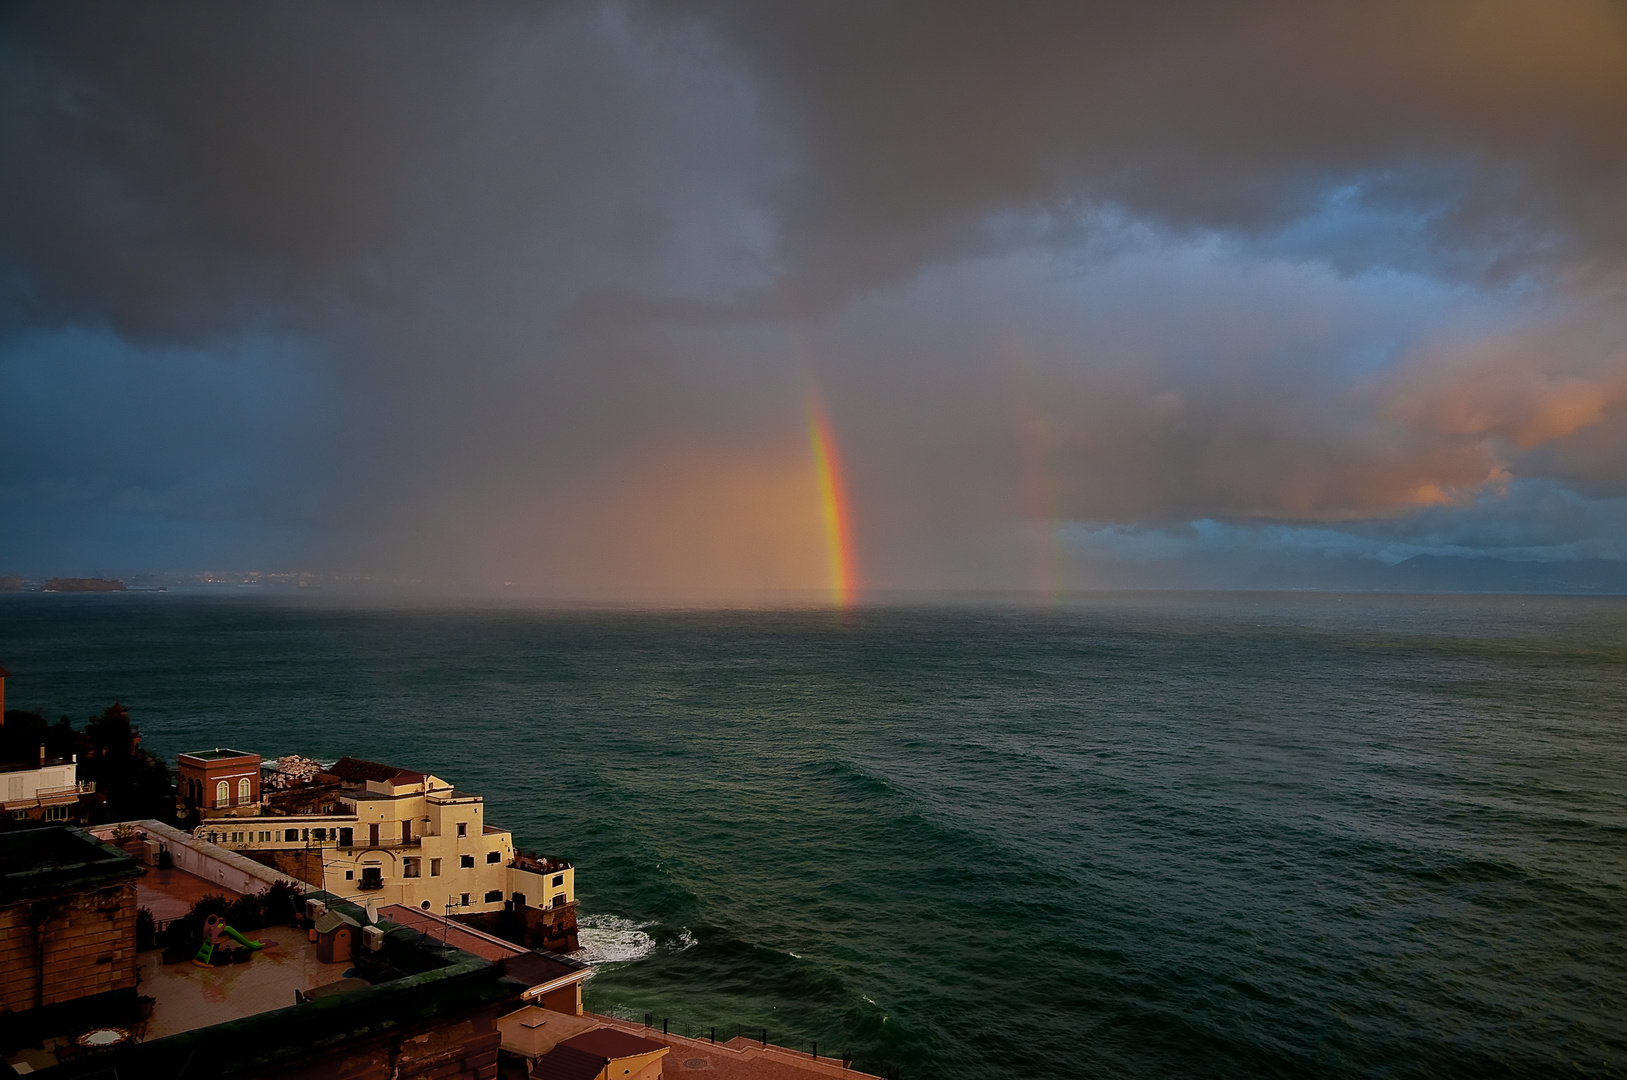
(243,792)
(223,794)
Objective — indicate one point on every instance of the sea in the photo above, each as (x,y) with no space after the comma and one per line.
(1120,835)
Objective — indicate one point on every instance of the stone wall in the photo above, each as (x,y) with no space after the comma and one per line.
(300,864)
(83,944)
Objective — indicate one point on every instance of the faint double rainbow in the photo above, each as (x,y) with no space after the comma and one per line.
(835,510)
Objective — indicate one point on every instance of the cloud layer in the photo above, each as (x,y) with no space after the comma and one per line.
(537,294)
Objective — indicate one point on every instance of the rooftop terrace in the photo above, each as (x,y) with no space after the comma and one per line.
(188,997)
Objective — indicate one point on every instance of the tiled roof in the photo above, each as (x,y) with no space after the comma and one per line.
(538,966)
(609,1043)
(463,937)
(355,769)
(565,1063)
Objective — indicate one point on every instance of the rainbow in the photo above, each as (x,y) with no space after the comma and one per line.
(833,504)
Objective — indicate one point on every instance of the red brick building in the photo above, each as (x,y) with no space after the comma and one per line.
(220,783)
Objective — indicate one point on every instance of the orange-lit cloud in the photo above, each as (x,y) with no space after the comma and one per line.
(677,524)
(1527,407)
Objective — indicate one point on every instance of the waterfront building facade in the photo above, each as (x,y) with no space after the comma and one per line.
(397,836)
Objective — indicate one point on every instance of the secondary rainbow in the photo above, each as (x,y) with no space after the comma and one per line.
(833,503)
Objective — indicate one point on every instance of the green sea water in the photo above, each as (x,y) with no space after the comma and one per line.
(1147,835)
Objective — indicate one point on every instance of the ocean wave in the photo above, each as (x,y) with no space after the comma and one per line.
(611,939)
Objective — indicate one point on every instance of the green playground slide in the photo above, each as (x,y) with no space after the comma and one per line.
(206,951)
(240,939)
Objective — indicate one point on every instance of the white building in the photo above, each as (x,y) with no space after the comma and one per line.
(46,790)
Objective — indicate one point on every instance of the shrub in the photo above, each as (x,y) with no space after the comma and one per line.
(246,913)
(280,903)
(146,930)
(188,929)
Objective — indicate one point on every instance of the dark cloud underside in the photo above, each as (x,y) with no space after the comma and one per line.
(538,293)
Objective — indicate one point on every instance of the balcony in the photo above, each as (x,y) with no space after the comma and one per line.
(84,787)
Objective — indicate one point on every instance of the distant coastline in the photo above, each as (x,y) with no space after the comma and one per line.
(82,584)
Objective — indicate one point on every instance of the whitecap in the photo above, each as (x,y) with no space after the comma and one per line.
(611,939)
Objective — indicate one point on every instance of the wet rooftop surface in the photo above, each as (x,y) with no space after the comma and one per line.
(170,894)
(188,996)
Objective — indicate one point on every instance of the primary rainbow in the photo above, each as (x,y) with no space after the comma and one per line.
(833,504)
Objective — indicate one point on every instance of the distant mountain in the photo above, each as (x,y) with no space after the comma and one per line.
(1448,573)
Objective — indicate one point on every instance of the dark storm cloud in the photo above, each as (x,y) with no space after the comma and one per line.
(509,272)
(1495,126)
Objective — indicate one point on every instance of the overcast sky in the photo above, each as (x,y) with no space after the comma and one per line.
(540,292)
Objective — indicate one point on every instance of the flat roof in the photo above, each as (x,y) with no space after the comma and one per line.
(35,764)
(218,754)
(57,859)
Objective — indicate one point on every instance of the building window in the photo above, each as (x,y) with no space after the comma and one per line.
(463,828)
(559,879)
(345,837)
(350,875)
(319,835)
(290,836)
(372,878)
(56,813)
(223,794)
(468,861)
(305,835)
(243,792)
(409,867)
(559,900)
(494,856)
(265,838)
(237,838)
(495,896)
(434,868)
(465,899)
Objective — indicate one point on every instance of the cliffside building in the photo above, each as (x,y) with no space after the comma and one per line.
(367,831)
